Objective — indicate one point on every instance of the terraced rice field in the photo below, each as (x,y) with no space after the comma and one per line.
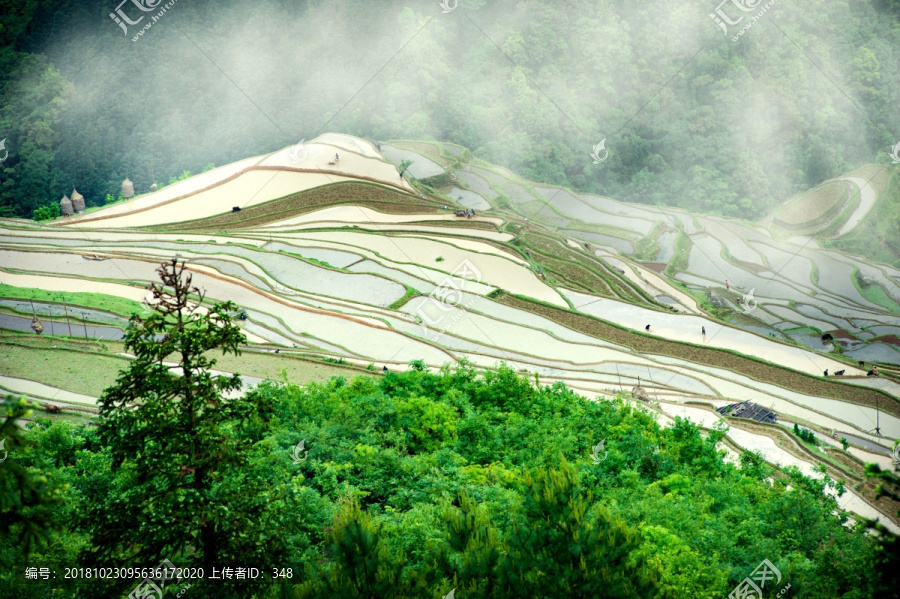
(360,268)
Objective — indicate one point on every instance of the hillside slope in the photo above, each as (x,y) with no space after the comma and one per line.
(354,267)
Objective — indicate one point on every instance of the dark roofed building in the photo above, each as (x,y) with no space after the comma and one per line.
(748,409)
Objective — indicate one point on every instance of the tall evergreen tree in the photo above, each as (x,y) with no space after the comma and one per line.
(184,488)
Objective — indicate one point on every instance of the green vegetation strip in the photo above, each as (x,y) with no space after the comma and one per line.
(679,261)
(461,223)
(718,358)
(99,301)
(411,292)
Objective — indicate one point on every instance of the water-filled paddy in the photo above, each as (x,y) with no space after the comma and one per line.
(370,266)
(615,207)
(737,247)
(59,311)
(572,206)
(623,245)
(335,258)
(876,352)
(517,194)
(170,192)
(478,184)
(490,176)
(812,341)
(684,327)
(666,246)
(251,188)
(77,328)
(867,197)
(421,167)
(469,199)
(40,390)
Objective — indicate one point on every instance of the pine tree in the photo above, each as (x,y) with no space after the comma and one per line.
(566,545)
(182,489)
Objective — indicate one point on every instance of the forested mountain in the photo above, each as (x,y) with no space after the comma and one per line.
(689,116)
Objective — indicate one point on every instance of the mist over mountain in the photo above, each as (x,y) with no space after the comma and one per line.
(690,117)
(443,298)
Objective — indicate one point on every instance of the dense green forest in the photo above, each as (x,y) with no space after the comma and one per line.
(690,117)
(412,484)
(457,479)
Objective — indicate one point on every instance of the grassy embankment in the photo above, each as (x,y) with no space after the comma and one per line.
(99,301)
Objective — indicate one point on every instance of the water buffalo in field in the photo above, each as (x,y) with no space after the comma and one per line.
(839,372)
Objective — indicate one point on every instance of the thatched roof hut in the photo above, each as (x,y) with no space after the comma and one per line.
(65,206)
(154,187)
(127,188)
(77,201)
